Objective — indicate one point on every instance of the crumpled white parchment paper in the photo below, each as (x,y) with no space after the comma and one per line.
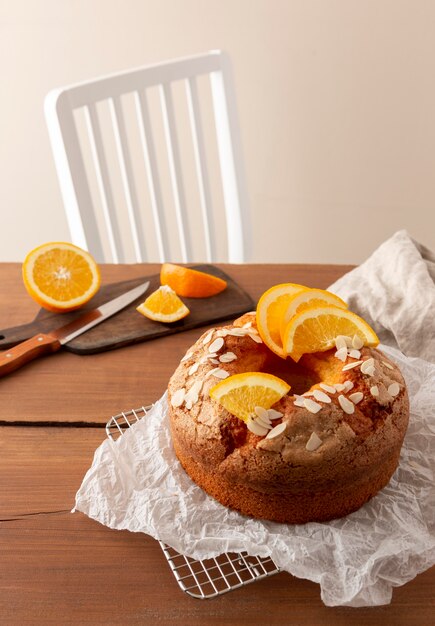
(137,483)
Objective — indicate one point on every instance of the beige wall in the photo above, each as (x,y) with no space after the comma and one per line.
(336,101)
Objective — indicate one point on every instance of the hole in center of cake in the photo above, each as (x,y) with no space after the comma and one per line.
(296,375)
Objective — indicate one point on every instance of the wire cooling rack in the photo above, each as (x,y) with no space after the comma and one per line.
(211,577)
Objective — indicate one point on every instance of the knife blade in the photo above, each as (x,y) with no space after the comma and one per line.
(46,343)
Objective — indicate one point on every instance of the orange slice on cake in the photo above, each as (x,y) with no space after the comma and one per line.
(315,330)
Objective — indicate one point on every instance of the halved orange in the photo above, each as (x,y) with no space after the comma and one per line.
(315,330)
(305,299)
(163,305)
(190,283)
(241,393)
(270,309)
(60,276)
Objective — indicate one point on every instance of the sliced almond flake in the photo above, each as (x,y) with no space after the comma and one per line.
(340,386)
(348,385)
(306,394)
(247,325)
(189,404)
(341,354)
(203,359)
(238,332)
(208,337)
(321,396)
(348,341)
(356,397)
(357,342)
(277,430)
(214,361)
(216,345)
(256,338)
(263,423)
(340,342)
(367,364)
(390,367)
(354,354)
(312,406)
(193,368)
(299,401)
(227,357)
(212,372)
(374,391)
(256,428)
(222,332)
(313,442)
(274,414)
(211,355)
(195,389)
(394,389)
(220,373)
(328,388)
(186,357)
(262,413)
(347,406)
(177,398)
(350,366)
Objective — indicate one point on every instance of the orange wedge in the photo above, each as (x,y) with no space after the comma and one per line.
(308,298)
(163,305)
(190,283)
(270,310)
(60,276)
(315,329)
(242,393)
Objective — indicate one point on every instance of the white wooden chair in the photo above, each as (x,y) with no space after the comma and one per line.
(102,234)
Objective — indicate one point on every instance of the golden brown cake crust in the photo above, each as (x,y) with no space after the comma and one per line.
(279,478)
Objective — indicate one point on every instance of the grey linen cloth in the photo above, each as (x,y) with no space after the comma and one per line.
(394,291)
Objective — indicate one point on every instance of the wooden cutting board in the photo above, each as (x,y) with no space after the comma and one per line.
(128,326)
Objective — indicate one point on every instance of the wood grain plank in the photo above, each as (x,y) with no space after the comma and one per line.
(67,569)
(90,389)
(41,468)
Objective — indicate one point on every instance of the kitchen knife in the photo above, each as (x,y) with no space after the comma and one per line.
(41,343)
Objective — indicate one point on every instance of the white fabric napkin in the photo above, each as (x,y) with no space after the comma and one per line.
(137,483)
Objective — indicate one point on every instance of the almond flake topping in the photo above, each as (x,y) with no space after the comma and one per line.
(274,414)
(214,361)
(354,354)
(255,337)
(186,356)
(178,397)
(212,372)
(341,354)
(356,397)
(347,406)
(374,391)
(220,373)
(313,442)
(208,337)
(340,342)
(340,386)
(193,368)
(390,367)
(277,430)
(262,413)
(367,366)
(321,396)
(216,345)
(247,325)
(348,385)
(394,389)
(328,388)
(312,406)
(256,428)
(350,366)
(238,332)
(357,342)
(299,401)
(227,357)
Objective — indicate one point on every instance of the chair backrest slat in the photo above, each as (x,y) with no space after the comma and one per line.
(103,183)
(126,162)
(201,167)
(152,172)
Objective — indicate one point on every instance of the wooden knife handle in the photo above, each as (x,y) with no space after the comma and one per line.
(26,351)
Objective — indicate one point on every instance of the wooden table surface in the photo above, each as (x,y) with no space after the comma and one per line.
(61,568)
